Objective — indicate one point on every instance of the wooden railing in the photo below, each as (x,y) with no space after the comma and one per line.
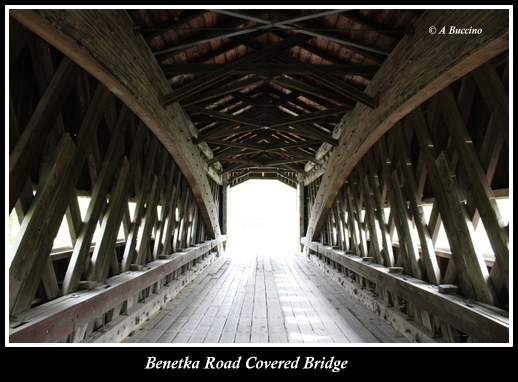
(482,322)
(453,150)
(121,302)
(70,137)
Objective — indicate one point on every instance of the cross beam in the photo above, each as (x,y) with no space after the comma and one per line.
(409,76)
(122,62)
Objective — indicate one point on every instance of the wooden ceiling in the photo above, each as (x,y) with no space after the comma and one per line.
(266,90)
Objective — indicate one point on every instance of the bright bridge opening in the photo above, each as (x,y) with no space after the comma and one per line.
(262,216)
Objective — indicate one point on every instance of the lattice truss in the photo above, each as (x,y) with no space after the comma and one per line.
(256,100)
(427,193)
(70,138)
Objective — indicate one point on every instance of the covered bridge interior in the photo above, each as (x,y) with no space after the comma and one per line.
(127,128)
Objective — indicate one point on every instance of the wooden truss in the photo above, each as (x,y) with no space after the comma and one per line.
(430,128)
(70,138)
(385,194)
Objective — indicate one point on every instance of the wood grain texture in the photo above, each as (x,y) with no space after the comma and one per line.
(264,297)
(483,323)
(57,319)
(410,75)
(90,38)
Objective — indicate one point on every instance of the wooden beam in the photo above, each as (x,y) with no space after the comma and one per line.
(373,182)
(312,91)
(299,153)
(176,22)
(496,96)
(225,116)
(163,238)
(109,227)
(428,257)
(51,322)
(336,69)
(409,76)
(485,324)
(240,145)
(309,116)
(146,180)
(97,203)
(469,266)
(27,256)
(332,82)
(283,24)
(209,79)
(479,186)
(205,37)
(355,16)
(24,156)
(103,43)
(293,144)
(221,91)
(462,237)
(224,154)
(224,131)
(44,217)
(307,131)
(400,213)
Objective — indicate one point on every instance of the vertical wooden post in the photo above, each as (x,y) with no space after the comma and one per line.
(301,207)
(224,203)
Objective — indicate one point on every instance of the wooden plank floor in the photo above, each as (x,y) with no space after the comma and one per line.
(264,298)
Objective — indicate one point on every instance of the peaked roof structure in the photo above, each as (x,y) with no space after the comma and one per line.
(266,90)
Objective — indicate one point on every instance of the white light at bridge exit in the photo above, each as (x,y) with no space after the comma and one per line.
(262,217)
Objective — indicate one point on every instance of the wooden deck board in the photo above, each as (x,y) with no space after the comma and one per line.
(264,298)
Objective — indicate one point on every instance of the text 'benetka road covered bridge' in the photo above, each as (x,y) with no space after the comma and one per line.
(127,128)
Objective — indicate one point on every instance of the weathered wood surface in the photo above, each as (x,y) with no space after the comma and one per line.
(23,157)
(483,322)
(51,322)
(264,298)
(133,75)
(411,75)
(79,141)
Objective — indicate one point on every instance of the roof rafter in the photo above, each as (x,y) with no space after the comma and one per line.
(336,69)
(283,24)
(209,79)
(334,83)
